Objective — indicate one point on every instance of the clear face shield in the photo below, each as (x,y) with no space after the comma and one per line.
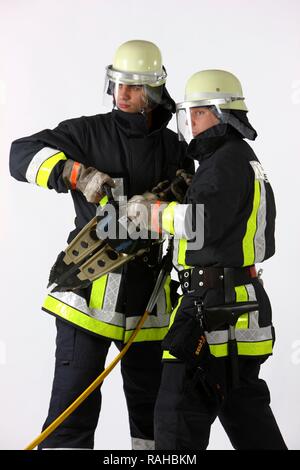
(132,92)
(195,117)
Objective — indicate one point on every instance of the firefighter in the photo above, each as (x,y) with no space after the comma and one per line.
(213,350)
(130,149)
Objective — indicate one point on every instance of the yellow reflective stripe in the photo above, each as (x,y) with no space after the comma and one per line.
(103,201)
(242,296)
(47,167)
(219,350)
(181,253)
(167,291)
(81,319)
(248,240)
(148,334)
(166,354)
(256,348)
(168,217)
(96,326)
(98,291)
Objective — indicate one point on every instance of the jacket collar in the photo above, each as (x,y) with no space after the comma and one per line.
(204,145)
(135,124)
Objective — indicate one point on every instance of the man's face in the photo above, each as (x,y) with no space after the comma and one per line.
(130,98)
(202,119)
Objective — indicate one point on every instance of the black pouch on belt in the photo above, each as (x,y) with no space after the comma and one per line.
(185,339)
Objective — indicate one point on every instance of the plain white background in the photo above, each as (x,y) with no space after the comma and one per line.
(52,59)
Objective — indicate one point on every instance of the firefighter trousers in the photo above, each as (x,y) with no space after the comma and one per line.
(80,358)
(187,406)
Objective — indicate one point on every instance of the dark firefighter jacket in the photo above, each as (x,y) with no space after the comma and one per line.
(234,224)
(121,145)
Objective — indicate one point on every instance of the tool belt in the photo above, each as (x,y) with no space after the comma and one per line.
(199,278)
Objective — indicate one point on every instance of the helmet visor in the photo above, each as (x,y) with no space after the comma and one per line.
(136,78)
(131,97)
(194,117)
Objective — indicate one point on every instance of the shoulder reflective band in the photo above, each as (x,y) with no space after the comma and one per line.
(168,217)
(74,175)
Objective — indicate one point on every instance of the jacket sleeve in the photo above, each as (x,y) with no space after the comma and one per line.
(215,201)
(40,158)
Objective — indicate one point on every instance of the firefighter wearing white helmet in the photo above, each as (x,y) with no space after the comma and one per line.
(221,330)
(136,72)
(131,149)
(221,93)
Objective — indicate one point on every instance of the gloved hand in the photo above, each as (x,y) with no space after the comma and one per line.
(167,191)
(88,180)
(145,213)
(162,190)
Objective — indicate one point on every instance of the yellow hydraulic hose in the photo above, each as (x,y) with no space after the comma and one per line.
(166,267)
(89,390)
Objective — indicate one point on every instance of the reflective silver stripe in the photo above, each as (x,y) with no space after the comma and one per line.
(111,292)
(259,239)
(107,315)
(242,335)
(38,159)
(72,299)
(251,292)
(261,221)
(141,444)
(179,220)
(152,321)
(253,316)
(217,337)
(253,335)
(258,171)
(176,253)
(79,303)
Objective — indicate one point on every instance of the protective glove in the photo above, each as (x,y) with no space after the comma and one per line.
(88,180)
(145,213)
(167,191)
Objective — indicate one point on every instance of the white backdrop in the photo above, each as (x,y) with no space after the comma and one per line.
(52,59)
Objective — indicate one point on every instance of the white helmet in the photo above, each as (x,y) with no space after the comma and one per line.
(216,89)
(136,63)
